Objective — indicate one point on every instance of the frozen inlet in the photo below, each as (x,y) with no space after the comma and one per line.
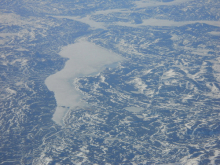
(85,58)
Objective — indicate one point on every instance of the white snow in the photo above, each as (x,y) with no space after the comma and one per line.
(215,33)
(139,85)
(213,158)
(169,74)
(11,91)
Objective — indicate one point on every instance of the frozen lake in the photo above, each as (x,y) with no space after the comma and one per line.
(85,58)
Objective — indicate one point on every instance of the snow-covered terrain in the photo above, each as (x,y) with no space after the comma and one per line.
(65,99)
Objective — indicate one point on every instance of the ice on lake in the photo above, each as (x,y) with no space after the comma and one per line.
(85,58)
